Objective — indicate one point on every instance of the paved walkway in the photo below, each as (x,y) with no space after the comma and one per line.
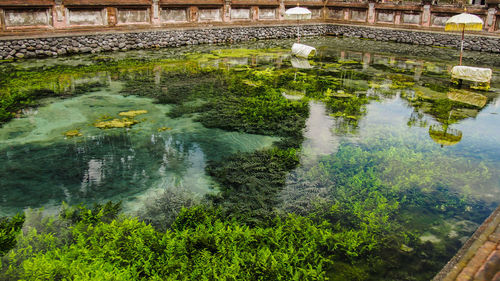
(479,258)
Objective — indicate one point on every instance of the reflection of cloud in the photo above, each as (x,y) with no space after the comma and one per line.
(319,137)
(93,175)
(497,102)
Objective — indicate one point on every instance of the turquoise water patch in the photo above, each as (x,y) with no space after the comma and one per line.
(41,167)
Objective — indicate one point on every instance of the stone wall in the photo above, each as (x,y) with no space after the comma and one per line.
(56,46)
(67,15)
(472,42)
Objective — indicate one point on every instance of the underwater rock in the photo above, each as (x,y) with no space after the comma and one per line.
(126,122)
(132,113)
(430,237)
(405,248)
(73,133)
(162,129)
(116,123)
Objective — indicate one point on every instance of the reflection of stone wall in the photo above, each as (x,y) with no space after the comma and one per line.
(133,15)
(439,19)
(267,13)
(27,17)
(87,17)
(358,15)
(315,13)
(209,14)
(174,15)
(408,18)
(240,13)
(336,14)
(385,16)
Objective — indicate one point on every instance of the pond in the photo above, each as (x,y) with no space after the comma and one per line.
(370,136)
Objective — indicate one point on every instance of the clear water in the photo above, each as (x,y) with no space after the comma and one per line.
(41,167)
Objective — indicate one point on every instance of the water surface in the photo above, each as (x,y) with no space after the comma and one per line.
(380,114)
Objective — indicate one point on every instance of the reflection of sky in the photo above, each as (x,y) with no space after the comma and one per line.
(386,121)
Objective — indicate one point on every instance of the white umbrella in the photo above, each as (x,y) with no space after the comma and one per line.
(462,22)
(297,13)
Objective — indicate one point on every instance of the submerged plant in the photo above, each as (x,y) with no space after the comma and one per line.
(73,133)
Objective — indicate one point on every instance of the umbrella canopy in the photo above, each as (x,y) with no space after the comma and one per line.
(464,21)
(297,13)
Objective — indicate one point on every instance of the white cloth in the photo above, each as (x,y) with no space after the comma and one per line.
(470,73)
(300,63)
(303,51)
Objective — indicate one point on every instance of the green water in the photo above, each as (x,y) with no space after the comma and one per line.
(41,167)
(386,136)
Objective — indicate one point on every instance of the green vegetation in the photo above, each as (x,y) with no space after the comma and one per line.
(9,228)
(201,245)
(350,217)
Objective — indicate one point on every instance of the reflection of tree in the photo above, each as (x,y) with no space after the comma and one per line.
(443,111)
(443,135)
(447,108)
(417,119)
(348,111)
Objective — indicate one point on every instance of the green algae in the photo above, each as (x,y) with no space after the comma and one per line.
(73,133)
(115,123)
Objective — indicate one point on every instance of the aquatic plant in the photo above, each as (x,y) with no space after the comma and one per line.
(132,113)
(72,133)
(201,245)
(9,229)
(250,183)
(116,123)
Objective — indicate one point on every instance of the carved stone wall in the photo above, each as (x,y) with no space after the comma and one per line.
(23,15)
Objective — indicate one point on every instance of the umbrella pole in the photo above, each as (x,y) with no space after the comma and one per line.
(462,45)
(298,32)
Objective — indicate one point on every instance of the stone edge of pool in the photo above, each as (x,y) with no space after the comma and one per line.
(479,257)
(53,45)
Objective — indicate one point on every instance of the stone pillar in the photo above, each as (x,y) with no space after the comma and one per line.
(490,20)
(58,15)
(193,14)
(367,58)
(324,13)
(397,18)
(392,61)
(254,13)
(371,13)
(155,13)
(281,10)
(2,20)
(112,16)
(418,71)
(157,73)
(426,15)
(226,11)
